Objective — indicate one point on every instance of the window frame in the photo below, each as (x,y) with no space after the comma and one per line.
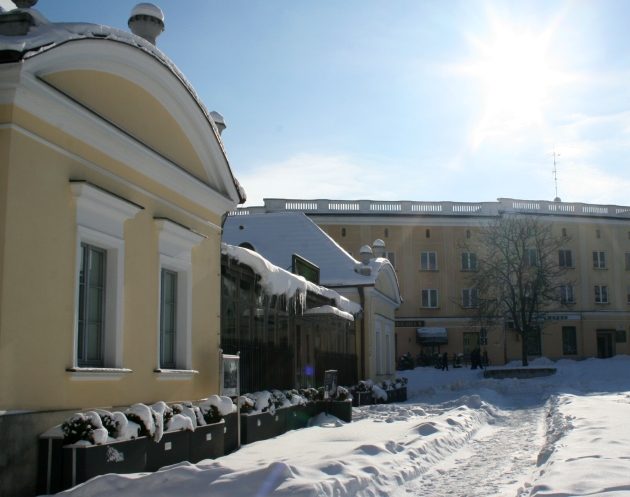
(601,291)
(567,294)
(175,254)
(599,259)
(429,293)
(566,349)
(471,261)
(428,254)
(562,258)
(100,218)
(472,298)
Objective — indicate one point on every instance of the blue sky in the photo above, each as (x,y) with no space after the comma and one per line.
(407,99)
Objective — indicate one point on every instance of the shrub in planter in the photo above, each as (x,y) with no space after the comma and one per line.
(150,422)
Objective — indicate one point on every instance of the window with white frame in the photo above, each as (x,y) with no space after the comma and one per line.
(429,298)
(531,256)
(175,296)
(470,297)
(100,249)
(469,261)
(567,295)
(601,294)
(565,258)
(599,259)
(428,261)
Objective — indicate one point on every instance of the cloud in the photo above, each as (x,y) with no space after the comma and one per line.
(590,184)
(309,176)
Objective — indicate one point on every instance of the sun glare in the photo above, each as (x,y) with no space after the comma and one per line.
(516,77)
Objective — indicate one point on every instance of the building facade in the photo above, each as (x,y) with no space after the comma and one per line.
(370,283)
(113,185)
(425,242)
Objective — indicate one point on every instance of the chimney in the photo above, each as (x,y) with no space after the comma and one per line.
(146,21)
(218,121)
(378,247)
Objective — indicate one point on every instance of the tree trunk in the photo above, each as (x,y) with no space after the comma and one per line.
(524,337)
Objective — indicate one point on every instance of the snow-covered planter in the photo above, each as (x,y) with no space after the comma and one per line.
(339,406)
(84,429)
(151,422)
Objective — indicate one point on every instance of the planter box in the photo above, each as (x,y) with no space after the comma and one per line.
(206,442)
(297,416)
(339,409)
(402,394)
(49,465)
(173,448)
(255,427)
(230,433)
(84,462)
(362,399)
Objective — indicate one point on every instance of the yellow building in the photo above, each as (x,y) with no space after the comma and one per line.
(113,185)
(424,242)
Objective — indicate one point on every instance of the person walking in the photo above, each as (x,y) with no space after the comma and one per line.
(445,361)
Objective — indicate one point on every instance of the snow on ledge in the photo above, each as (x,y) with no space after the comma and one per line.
(277,281)
(329,309)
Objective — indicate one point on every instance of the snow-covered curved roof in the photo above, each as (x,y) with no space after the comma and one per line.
(43,36)
(147,9)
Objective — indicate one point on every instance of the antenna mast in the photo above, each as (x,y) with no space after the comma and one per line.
(555,173)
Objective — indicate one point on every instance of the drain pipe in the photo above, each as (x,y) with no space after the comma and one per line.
(362,332)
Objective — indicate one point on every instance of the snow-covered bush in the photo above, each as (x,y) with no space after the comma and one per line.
(279,399)
(150,422)
(343,394)
(180,422)
(164,410)
(214,408)
(295,398)
(310,394)
(246,403)
(193,412)
(84,427)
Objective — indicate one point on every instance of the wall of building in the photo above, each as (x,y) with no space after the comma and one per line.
(38,315)
(408,236)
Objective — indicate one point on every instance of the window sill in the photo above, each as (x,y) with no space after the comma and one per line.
(175,374)
(98,373)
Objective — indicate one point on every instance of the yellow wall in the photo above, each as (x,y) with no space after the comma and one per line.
(447,237)
(39,258)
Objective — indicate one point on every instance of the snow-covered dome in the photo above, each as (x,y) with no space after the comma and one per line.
(378,243)
(148,9)
(218,120)
(365,249)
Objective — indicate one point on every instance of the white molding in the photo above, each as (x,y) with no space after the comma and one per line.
(100,218)
(175,374)
(97,374)
(42,100)
(175,247)
(175,240)
(102,211)
(108,173)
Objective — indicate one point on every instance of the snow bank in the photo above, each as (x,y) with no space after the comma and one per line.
(583,443)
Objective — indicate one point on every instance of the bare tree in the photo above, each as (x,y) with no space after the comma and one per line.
(518,274)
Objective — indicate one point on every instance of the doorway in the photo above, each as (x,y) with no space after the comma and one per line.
(605,343)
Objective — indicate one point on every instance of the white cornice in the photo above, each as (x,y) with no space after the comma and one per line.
(175,240)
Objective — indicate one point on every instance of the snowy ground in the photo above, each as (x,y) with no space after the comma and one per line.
(458,435)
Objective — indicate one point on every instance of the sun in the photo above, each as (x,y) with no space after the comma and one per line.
(516,77)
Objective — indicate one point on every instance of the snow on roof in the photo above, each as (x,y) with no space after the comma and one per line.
(277,236)
(278,281)
(329,309)
(44,35)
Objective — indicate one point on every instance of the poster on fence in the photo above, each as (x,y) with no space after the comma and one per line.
(230,381)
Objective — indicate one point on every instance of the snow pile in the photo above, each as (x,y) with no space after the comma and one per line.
(459,434)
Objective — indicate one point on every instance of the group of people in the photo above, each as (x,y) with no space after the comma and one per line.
(477,360)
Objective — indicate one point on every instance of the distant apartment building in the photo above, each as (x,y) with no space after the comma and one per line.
(425,240)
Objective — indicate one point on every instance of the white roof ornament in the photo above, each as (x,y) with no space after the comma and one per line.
(365,254)
(378,247)
(146,21)
(219,121)
(24,4)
